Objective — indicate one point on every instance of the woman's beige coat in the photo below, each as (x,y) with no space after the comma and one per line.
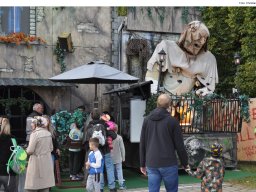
(40,173)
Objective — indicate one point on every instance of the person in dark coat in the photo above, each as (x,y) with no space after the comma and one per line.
(161,137)
(105,150)
(5,153)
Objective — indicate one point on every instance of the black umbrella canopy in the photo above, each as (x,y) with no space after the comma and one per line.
(94,73)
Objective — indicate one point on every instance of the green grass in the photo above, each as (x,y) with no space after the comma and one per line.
(248,180)
(250,167)
(55,189)
(246,176)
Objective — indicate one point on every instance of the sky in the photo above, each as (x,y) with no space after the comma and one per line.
(101,3)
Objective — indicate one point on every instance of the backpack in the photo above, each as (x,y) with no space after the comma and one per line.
(18,159)
(98,132)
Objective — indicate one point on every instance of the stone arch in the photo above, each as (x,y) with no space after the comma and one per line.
(10,107)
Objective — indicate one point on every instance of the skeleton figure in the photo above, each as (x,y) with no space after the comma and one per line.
(195,150)
(187,62)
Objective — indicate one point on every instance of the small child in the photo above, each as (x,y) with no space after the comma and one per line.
(95,165)
(111,127)
(75,137)
(118,156)
(211,170)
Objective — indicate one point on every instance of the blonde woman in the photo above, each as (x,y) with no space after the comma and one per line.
(40,175)
(5,153)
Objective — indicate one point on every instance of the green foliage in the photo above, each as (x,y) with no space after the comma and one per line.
(62,121)
(60,53)
(244,110)
(22,102)
(233,30)
(246,78)
(160,12)
(79,117)
(122,11)
(200,101)
(151,103)
(184,14)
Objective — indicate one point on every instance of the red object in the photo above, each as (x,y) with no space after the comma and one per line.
(253,113)
(110,143)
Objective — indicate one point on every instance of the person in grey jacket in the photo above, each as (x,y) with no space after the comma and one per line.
(38,110)
(118,157)
(161,137)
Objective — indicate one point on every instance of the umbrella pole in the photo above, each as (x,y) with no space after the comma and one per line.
(96,102)
(95,92)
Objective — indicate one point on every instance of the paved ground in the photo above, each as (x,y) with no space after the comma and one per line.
(227,187)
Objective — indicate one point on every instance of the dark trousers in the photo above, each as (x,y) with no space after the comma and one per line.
(86,171)
(74,162)
(38,190)
(13,183)
(82,161)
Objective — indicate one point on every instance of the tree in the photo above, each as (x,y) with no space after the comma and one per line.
(233,30)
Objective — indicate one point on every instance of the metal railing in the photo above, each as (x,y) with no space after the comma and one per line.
(207,116)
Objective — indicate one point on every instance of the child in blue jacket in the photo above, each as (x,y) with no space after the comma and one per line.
(95,166)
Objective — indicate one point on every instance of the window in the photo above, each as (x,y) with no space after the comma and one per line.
(14,19)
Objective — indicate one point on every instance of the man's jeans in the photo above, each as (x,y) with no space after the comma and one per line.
(110,172)
(168,174)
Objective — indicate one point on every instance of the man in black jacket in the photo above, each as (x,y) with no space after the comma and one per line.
(160,137)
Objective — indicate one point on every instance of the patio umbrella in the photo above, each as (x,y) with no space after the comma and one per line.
(95,72)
